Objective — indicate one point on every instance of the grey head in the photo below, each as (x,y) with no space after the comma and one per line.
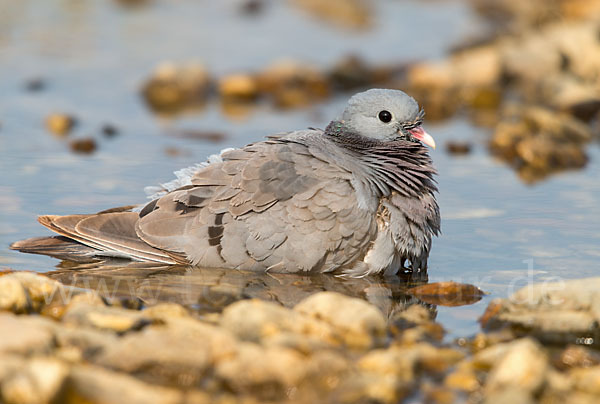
(385,115)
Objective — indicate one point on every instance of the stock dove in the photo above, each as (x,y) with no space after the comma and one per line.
(357,198)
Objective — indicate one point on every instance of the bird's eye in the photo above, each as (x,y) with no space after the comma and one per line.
(385,116)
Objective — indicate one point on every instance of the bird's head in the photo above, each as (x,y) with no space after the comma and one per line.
(385,115)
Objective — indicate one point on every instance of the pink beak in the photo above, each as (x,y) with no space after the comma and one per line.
(420,134)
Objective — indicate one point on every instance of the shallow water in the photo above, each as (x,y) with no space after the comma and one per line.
(498,233)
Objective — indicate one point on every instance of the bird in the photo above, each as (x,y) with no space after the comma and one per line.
(357,198)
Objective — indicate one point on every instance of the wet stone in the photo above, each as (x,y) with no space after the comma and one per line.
(60,124)
(511,395)
(558,313)
(38,381)
(586,379)
(238,87)
(174,88)
(187,349)
(267,373)
(356,14)
(291,84)
(574,356)
(26,336)
(463,379)
(91,384)
(83,146)
(458,148)
(13,296)
(523,366)
(105,318)
(361,324)
(166,311)
(109,130)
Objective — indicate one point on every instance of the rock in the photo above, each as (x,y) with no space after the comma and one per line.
(352,72)
(252,7)
(463,379)
(105,318)
(238,87)
(529,57)
(439,395)
(447,293)
(388,374)
(64,297)
(414,315)
(13,296)
(195,134)
(252,320)
(26,336)
(266,322)
(109,130)
(397,362)
(579,9)
(174,88)
(475,67)
(267,373)
(345,13)
(83,146)
(39,381)
(76,343)
(540,140)
(523,366)
(458,148)
(586,379)
(439,102)
(166,311)
(177,354)
(94,385)
(60,124)
(415,324)
(360,324)
(512,395)
(576,356)
(437,360)
(35,84)
(559,313)
(45,294)
(293,85)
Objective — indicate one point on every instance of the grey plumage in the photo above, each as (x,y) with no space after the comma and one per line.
(355,198)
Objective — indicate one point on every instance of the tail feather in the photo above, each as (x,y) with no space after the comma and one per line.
(56,246)
(110,233)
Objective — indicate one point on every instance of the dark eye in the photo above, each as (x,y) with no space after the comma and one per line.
(385,116)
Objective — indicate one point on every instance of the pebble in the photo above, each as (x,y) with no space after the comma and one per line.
(39,381)
(95,385)
(354,14)
(238,87)
(458,148)
(27,336)
(104,318)
(266,373)
(174,88)
(360,323)
(188,348)
(291,84)
(60,124)
(523,366)
(13,296)
(86,145)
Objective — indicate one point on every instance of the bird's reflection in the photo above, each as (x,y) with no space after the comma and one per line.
(210,289)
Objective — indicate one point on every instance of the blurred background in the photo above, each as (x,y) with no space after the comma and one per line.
(100,99)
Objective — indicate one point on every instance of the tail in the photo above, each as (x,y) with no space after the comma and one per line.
(58,247)
(109,233)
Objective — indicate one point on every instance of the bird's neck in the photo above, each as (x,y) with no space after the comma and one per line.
(400,166)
